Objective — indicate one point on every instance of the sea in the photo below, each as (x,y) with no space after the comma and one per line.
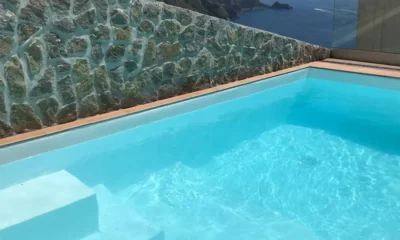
(328,23)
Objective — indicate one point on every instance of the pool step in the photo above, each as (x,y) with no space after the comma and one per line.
(54,206)
(118,221)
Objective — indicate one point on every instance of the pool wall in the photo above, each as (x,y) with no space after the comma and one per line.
(61,60)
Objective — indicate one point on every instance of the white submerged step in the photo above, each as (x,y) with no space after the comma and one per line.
(118,221)
(56,206)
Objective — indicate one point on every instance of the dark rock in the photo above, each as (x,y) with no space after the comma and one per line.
(188,34)
(183,16)
(23,118)
(15,78)
(87,19)
(49,108)
(203,61)
(146,26)
(5,130)
(168,12)
(60,6)
(136,12)
(200,36)
(136,47)
(149,57)
(77,45)
(167,51)
(201,21)
(122,34)
(88,106)
(7,20)
(119,17)
(25,31)
(248,52)
(2,102)
(65,90)
(183,67)
(130,66)
(55,46)
(100,79)
(81,69)
(234,57)
(156,76)
(281,6)
(168,30)
(115,53)
(166,91)
(215,48)
(258,39)
(106,102)
(33,14)
(65,25)
(203,82)
(220,62)
(97,53)
(101,9)
(288,52)
(35,56)
(248,38)
(100,33)
(169,70)
(85,87)
(44,85)
(151,12)
(6,45)
(63,67)
(213,27)
(81,6)
(67,114)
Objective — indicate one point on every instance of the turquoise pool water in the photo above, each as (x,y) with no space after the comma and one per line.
(312,159)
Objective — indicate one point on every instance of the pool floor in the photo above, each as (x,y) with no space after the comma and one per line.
(313,159)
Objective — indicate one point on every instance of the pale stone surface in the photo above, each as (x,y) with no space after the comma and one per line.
(94,56)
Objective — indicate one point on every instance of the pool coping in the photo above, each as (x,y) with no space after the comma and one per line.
(330,64)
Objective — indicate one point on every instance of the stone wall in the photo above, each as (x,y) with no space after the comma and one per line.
(61,60)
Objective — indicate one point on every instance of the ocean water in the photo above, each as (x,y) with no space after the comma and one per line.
(313,159)
(329,23)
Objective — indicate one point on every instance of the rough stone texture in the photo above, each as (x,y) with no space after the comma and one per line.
(15,78)
(65,25)
(44,85)
(65,90)
(34,55)
(67,114)
(77,45)
(48,108)
(115,53)
(5,130)
(167,51)
(97,53)
(87,19)
(24,119)
(6,45)
(79,58)
(25,31)
(149,57)
(99,33)
(55,46)
(81,69)
(122,34)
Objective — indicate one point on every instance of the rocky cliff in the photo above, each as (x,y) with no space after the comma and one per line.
(61,60)
(225,9)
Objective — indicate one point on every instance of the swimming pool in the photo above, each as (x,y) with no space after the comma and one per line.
(312,154)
